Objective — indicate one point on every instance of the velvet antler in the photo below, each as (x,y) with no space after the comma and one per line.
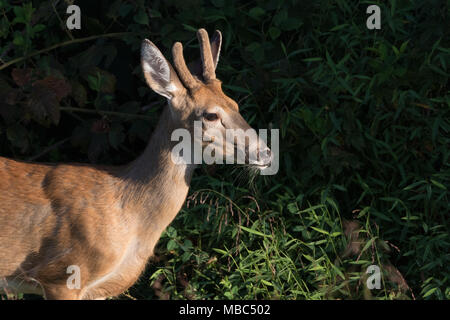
(209,69)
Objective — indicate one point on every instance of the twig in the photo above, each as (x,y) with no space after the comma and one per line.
(62,44)
(111,113)
(48,149)
(54,4)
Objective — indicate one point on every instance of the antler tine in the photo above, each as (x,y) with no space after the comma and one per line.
(209,72)
(180,65)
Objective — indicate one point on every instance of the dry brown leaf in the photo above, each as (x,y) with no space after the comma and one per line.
(22,76)
(351,230)
(43,103)
(60,87)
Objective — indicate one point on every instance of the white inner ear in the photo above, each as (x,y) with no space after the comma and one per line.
(155,63)
(217,57)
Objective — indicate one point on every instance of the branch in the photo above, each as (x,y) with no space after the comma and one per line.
(48,149)
(111,113)
(62,44)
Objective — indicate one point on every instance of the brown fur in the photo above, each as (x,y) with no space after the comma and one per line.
(106,220)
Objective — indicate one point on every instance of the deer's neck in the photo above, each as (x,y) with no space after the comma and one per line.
(154,187)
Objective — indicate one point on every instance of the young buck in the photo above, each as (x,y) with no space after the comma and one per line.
(100,224)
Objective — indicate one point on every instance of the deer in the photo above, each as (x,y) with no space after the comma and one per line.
(106,220)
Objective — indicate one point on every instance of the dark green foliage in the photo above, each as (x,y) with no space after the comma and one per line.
(364,119)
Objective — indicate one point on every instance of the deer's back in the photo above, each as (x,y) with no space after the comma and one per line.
(54,216)
(24,208)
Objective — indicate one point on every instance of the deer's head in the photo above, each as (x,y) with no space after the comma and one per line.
(195,96)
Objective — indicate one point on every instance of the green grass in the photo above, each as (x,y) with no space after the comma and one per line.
(364,119)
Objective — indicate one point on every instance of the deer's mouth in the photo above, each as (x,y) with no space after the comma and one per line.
(265,160)
(262,166)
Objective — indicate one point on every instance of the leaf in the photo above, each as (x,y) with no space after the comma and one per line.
(141,17)
(221,251)
(321,230)
(292,207)
(274,32)
(415,184)
(339,27)
(255,232)
(38,28)
(280,17)
(79,93)
(257,51)
(155,14)
(218,3)
(368,244)
(237,89)
(100,126)
(291,24)
(18,40)
(171,245)
(438,184)
(338,271)
(253,46)
(88,58)
(21,76)
(267,283)
(186,27)
(43,104)
(44,100)
(125,9)
(101,80)
(403,46)
(60,87)
(429,292)
(256,13)
(312,59)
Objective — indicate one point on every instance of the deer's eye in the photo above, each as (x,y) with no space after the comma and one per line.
(210,116)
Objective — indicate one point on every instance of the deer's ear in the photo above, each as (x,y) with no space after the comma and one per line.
(216,43)
(158,72)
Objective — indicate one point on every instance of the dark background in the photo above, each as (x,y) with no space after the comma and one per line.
(364,137)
